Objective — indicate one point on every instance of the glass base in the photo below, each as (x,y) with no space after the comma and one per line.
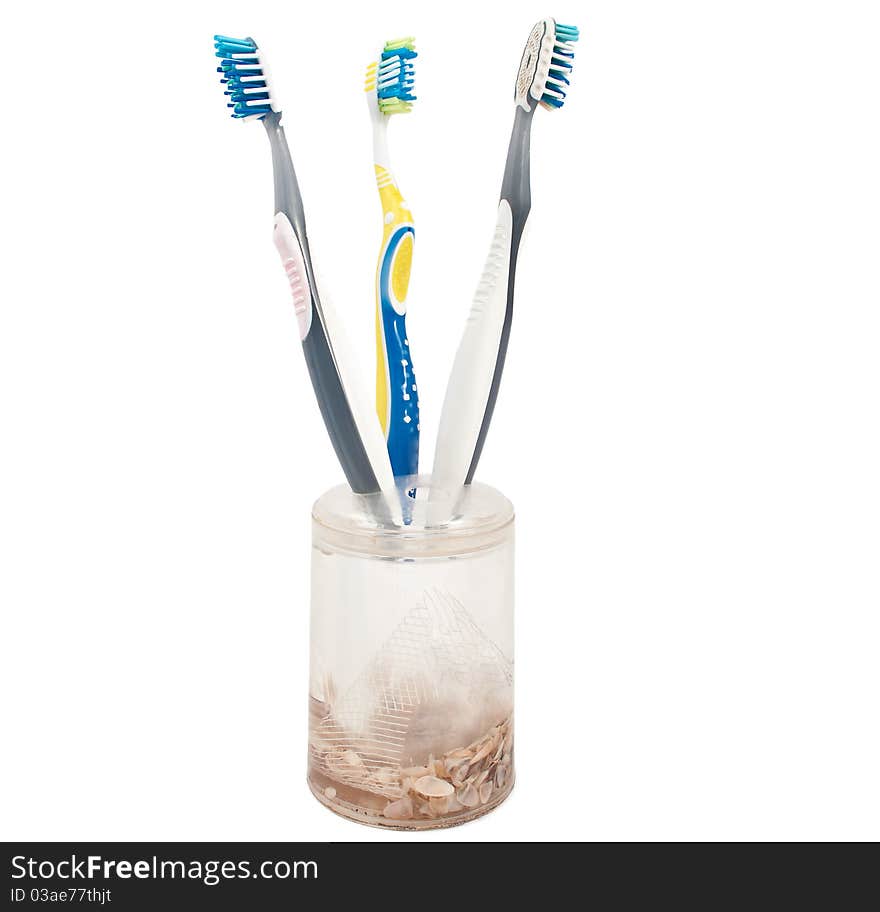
(375,818)
(373,776)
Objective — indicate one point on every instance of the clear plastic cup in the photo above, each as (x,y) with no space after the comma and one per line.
(411,683)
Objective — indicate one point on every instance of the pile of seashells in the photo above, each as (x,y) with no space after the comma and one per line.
(460,780)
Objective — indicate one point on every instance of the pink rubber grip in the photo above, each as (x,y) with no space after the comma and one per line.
(292,260)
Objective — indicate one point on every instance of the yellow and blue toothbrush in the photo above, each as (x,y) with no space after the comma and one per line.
(389,84)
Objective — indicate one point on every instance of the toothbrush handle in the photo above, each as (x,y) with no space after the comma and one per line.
(327,382)
(353,430)
(397,400)
(479,361)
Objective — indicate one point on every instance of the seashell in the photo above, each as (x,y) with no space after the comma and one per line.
(402,809)
(468,796)
(482,777)
(439,805)
(458,776)
(423,808)
(330,792)
(453,766)
(352,758)
(483,752)
(500,777)
(406,785)
(415,772)
(432,787)
(440,769)
(485,792)
(460,753)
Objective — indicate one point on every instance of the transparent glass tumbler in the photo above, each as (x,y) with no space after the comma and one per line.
(411,683)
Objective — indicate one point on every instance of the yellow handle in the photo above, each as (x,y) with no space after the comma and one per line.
(395,214)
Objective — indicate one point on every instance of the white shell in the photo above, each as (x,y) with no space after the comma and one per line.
(468,796)
(402,809)
(432,787)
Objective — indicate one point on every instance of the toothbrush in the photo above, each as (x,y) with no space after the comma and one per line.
(350,422)
(389,84)
(476,372)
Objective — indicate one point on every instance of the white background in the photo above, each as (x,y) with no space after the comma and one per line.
(688,423)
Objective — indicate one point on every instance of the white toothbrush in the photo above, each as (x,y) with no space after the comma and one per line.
(476,373)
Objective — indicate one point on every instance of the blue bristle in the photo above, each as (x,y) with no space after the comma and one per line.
(241,101)
(561,64)
(402,85)
(403,53)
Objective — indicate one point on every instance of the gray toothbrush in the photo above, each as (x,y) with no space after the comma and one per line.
(350,419)
(476,373)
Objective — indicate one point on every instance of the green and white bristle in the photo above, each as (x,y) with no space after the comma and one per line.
(546,65)
(392,78)
(243,71)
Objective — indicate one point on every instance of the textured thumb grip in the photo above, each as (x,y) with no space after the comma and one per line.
(295,268)
(468,404)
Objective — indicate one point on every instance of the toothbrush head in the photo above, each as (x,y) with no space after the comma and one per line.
(389,82)
(243,71)
(546,65)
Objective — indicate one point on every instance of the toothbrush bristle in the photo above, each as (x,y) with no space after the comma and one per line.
(392,78)
(546,64)
(561,61)
(243,74)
